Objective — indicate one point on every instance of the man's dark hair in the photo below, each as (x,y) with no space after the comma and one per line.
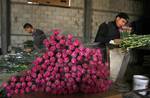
(27,25)
(123,15)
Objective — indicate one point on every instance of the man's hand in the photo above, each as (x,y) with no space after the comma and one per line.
(28,50)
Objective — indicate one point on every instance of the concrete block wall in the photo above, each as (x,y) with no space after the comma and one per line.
(106,10)
(69,20)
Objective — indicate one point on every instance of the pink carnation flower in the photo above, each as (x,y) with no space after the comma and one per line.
(45,56)
(27,89)
(4,84)
(18,85)
(58,46)
(58,55)
(70,36)
(14,79)
(66,69)
(39,59)
(46,42)
(74,68)
(62,42)
(76,43)
(71,47)
(52,59)
(74,54)
(60,60)
(73,60)
(23,84)
(66,59)
(16,91)
(56,31)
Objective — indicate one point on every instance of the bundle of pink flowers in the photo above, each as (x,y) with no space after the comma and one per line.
(67,67)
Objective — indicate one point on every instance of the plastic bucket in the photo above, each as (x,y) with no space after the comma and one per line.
(140,82)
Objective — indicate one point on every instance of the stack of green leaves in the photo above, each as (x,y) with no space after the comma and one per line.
(134,41)
(28,44)
(12,63)
(17,68)
(124,34)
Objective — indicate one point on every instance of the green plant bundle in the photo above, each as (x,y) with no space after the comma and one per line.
(28,44)
(18,68)
(134,41)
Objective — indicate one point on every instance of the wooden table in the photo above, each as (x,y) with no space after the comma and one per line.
(46,95)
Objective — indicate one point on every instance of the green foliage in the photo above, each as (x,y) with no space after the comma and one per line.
(134,41)
(124,34)
(12,63)
(18,68)
(28,44)
(3,93)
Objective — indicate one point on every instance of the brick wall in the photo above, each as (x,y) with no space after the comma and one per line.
(69,20)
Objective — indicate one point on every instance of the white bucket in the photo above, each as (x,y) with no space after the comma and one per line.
(140,82)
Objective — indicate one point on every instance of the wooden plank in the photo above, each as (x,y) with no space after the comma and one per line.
(115,96)
(53,2)
(77,95)
(87,20)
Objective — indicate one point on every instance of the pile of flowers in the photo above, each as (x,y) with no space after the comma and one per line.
(66,67)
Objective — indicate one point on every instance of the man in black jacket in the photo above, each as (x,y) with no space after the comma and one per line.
(37,34)
(110,31)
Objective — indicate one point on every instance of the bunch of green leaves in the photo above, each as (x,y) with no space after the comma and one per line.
(124,34)
(17,68)
(134,41)
(28,44)
(12,63)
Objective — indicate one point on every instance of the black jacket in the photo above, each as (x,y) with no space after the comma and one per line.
(106,32)
(38,37)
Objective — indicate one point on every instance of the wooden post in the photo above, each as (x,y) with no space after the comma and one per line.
(0,24)
(5,25)
(87,20)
